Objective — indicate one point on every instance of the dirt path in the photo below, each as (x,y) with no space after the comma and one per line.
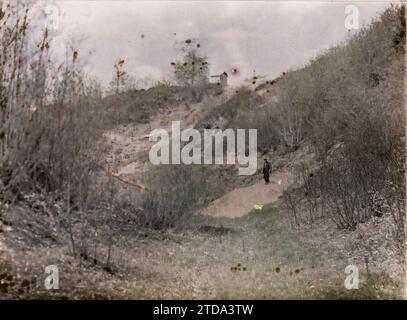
(241,201)
(130,143)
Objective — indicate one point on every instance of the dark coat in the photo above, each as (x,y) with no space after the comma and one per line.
(266,168)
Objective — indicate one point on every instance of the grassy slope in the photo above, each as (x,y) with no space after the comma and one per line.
(258,257)
(255,257)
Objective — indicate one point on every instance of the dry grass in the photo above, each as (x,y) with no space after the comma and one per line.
(253,257)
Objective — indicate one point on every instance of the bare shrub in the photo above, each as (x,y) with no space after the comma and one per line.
(50,124)
(291,203)
(349,105)
(176,193)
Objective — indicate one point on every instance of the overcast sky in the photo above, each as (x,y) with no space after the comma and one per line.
(269,36)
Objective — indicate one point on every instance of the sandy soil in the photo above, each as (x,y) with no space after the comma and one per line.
(130,143)
(241,201)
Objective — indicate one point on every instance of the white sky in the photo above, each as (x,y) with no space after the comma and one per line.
(268,36)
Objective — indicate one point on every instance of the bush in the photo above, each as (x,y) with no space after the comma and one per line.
(349,104)
(50,126)
(176,193)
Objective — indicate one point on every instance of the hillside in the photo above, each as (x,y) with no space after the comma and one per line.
(78,190)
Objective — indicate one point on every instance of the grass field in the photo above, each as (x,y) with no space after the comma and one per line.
(253,257)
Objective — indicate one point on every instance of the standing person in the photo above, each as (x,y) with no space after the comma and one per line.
(266,171)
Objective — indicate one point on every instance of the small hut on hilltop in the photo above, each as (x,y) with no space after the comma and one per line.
(223,79)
